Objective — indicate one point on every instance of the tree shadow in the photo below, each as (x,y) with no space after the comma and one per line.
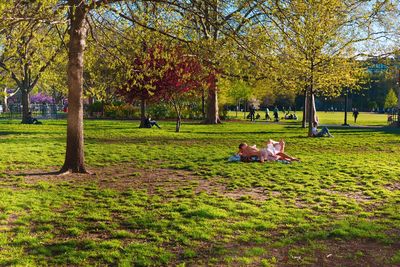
(40,173)
(19,133)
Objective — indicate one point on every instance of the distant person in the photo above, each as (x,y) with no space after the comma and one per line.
(355,115)
(276,113)
(252,112)
(31,120)
(267,116)
(149,123)
(324,131)
(258,116)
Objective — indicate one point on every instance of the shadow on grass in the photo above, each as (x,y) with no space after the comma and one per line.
(238,132)
(366,129)
(39,173)
(21,133)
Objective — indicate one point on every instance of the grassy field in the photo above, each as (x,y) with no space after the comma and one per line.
(160,198)
(330,118)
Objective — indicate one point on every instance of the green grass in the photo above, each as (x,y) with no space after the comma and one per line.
(161,198)
(364,118)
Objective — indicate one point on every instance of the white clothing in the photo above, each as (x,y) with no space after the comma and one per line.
(271,151)
(314,130)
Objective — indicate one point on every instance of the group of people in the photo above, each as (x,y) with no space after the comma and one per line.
(288,114)
(276,114)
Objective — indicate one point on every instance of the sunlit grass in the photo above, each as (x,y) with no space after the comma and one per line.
(204,211)
(331,118)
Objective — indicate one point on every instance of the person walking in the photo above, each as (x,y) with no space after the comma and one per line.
(276,113)
(355,115)
(252,112)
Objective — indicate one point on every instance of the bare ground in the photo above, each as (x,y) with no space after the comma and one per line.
(155,180)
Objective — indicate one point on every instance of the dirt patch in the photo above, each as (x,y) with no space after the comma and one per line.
(357,196)
(351,253)
(355,253)
(9,223)
(121,177)
(158,181)
(393,187)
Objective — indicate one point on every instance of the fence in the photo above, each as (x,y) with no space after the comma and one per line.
(40,111)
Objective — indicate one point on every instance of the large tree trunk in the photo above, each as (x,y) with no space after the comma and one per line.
(304,121)
(25,105)
(212,107)
(203,105)
(74,156)
(143,114)
(5,104)
(312,112)
(398,99)
(5,101)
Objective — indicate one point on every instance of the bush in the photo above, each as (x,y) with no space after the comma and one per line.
(160,111)
(125,111)
(95,107)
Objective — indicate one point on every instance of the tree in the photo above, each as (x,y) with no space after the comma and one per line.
(78,29)
(208,28)
(238,90)
(164,74)
(147,69)
(315,43)
(30,46)
(77,13)
(391,99)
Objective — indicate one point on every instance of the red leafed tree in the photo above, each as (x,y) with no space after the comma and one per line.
(169,75)
(146,70)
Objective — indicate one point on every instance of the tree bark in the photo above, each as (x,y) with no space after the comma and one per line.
(74,156)
(312,112)
(178,124)
(212,104)
(304,121)
(398,98)
(203,105)
(25,104)
(143,114)
(5,102)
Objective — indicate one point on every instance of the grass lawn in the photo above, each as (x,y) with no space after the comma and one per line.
(159,198)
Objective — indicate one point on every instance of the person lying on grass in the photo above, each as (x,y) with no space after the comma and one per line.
(272,152)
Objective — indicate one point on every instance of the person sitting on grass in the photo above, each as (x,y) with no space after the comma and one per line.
(272,152)
(150,123)
(324,131)
(31,120)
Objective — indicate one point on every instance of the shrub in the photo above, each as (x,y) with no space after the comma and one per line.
(125,111)
(95,107)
